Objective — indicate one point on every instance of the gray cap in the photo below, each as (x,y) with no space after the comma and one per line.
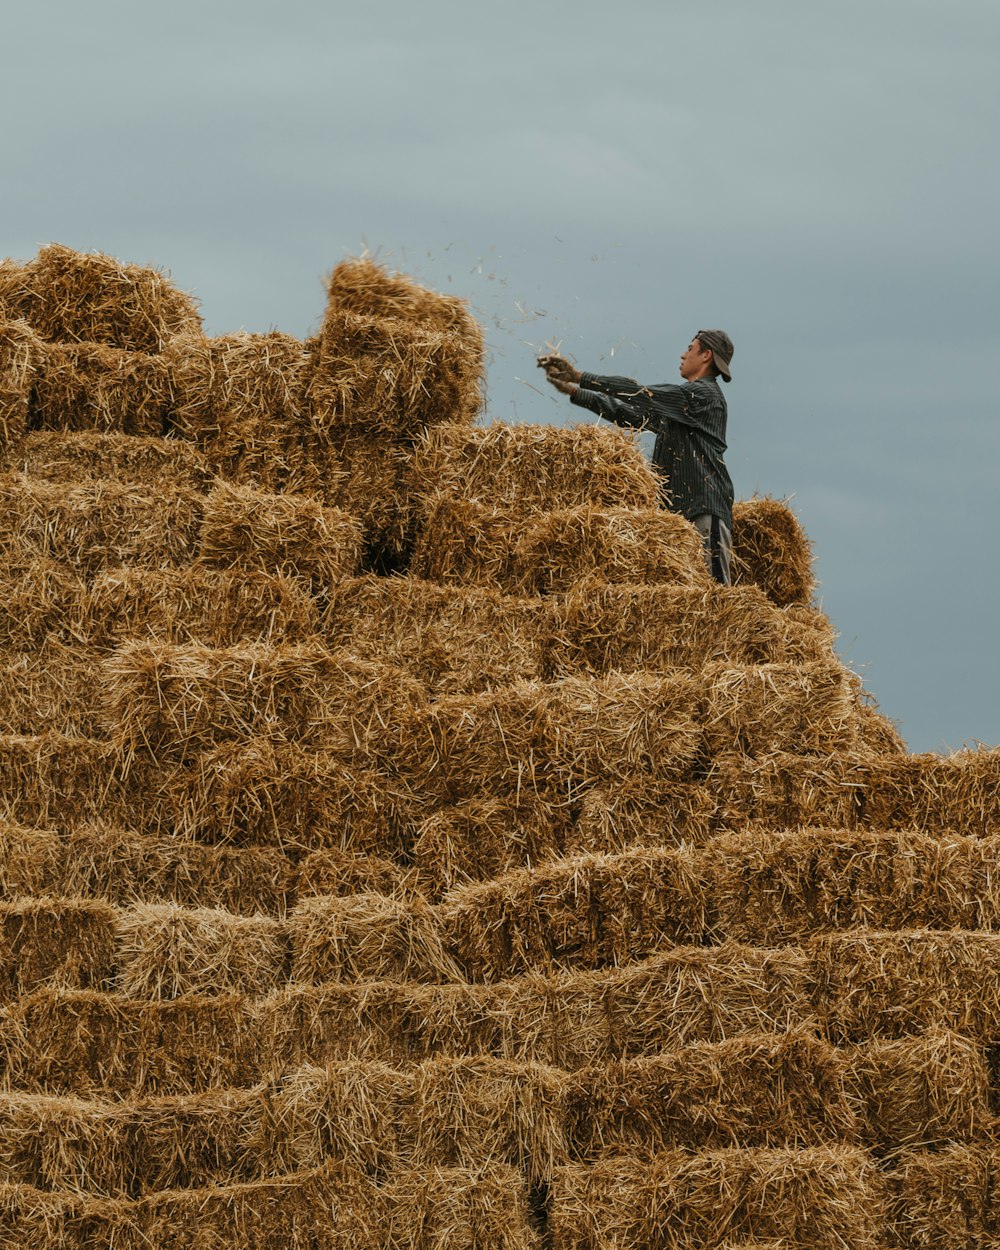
(720,345)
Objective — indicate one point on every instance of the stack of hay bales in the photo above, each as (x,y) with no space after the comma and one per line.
(541,894)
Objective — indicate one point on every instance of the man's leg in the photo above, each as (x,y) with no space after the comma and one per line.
(718,545)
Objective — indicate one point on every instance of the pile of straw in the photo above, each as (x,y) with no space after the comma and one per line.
(20,355)
(87,454)
(770,550)
(534,468)
(89,386)
(78,297)
(15,295)
(785,791)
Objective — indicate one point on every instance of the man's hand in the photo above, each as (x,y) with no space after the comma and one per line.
(560,372)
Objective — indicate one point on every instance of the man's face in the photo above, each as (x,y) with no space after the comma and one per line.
(694,360)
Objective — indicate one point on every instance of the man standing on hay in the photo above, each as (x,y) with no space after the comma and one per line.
(689,421)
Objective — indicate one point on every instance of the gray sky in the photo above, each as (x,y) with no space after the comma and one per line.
(819,179)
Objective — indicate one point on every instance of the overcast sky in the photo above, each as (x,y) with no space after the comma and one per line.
(819,179)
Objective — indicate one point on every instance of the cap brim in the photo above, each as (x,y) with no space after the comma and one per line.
(723,366)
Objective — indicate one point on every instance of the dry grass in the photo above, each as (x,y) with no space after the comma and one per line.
(368,937)
(871,984)
(213,607)
(772,886)
(91,387)
(289,535)
(96,526)
(15,293)
(452,639)
(359,284)
(59,942)
(761,1089)
(462,543)
(30,861)
(656,628)
(922,1091)
(366,479)
(771,550)
(20,356)
(81,456)
(534,468)
(88,297)
(819,1198)
(589,912)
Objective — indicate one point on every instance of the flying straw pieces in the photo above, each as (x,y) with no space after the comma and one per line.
(462,542)
(96,525)
(641,812)
(922,1091)
(90,1043)
(872,984)
(534,468)
(944,1197)
(88,386)
(776,886)
(761,1089)
(238,398)
(588,912)
(36,601)
(56,687)
(291,535)
(166,951)
(468,1112)
(20,355)
(176,700)
(368,937)
(214,607)
(67,942)
(599,628)
(88,297)
(819,1198)
(88,454)
(454,640)
(771,550)
(958,792)
(486,838)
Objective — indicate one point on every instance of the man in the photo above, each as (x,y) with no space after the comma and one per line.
(689,421)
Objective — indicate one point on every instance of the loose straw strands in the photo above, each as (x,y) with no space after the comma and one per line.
(89,386)
(770,550)
(88,297)
(533,468)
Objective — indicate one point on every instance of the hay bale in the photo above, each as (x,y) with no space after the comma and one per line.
(337,872)
(770,887)
(56,687)
(642,812)
(559,550)
(30,861)
(88,1043)
(51,779)
(657,628)
(486,838)
(88,386)
(534,468)
(771,550)
(350,1111)
(462,543)
(587,912)
(819,1198)
(119,866)
(368,937)
(20,356)
(79,457)
(760,1089)
(63,942)
(289,535)
(213,607)
(166,951)
(455,640)
(877,734)
(239,399)
(15,291)
(37,597)
(96,526)
(944,1197)
(365,477)
(802,709)
(176,700)
(88,297)
(474,1111)
(785,791)
(958,793)
(871,984)
(359,284)
(274,794)
(922,1091)
(459,1209)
